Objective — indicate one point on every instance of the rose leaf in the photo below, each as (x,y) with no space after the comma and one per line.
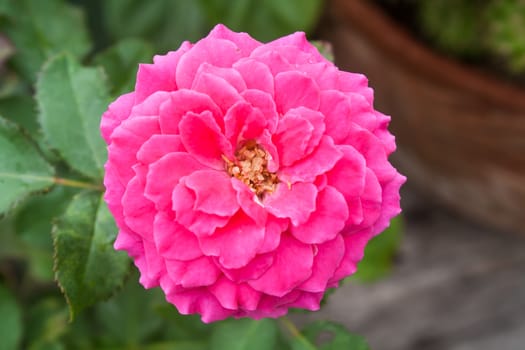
(22,169)
(71,100)
(87,267)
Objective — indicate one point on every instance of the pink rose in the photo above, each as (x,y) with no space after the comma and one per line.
(247,178)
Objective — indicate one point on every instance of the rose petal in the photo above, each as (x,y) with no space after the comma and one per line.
(214,192)
(235,296)
(291,138)
(173,241)
(234,244)
(158,146)
(159,76)
(249,203)
(295,201)
(126,140)
(182,102)
(218,52)
(294,89)
(244,42)
(220,91)
(138,211)
(327,260)
(251,271)
(203,139)
(198,272)
(117,111)
(355,244)
(243,122)
(298,41)
(256,75)
(265,103)
(390,203)
(272,236)
(326,221)
(165,174)
(230,75)
(292,265)
(201,224)
(197,301)
(320,161)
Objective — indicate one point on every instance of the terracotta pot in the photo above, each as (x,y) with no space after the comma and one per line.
(460,132)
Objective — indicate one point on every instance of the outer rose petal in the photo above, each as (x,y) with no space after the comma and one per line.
(327,260)
(234,296)
(174,241)
(219,52)
(256,75)
(292,265)
(159,76)
(117,111)
(198,272)
(294,89)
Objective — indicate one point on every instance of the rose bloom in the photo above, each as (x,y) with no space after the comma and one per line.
(247,178)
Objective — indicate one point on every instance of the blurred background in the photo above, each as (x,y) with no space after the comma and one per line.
(451,73)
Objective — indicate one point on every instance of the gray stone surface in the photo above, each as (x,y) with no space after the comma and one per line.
(455,286)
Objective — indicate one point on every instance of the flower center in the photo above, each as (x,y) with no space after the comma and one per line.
(250,166)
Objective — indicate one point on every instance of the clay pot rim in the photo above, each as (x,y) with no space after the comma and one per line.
(402,47)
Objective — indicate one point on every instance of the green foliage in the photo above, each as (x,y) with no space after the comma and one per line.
(40,29)
(83,239)
(22,169)
(11,320)
(71,100)
(379,253)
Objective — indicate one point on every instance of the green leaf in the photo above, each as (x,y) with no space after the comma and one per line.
(121,63)
(71,100)
(87,267)
(325,335)
(245,334)
(11,320)
(22,168)
(21,109)
(33,224)
(380,253)
(40,29)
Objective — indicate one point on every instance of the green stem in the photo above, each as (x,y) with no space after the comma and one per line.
(295,332)
(78,184)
